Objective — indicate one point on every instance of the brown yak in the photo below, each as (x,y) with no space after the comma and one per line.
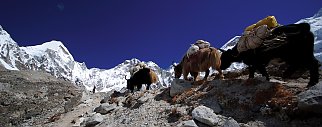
(200,61)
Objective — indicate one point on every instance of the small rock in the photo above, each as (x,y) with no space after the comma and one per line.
(77,122)
(205,115)
(143,99)
(105,108)
(230,122)
(189,123)
(92,121)
(5,103)
(266,110)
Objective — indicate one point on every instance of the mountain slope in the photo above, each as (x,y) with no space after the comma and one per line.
(316,27)
(54,58)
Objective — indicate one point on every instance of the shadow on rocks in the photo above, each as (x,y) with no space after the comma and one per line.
(164,95)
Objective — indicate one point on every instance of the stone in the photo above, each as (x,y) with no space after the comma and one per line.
(189,123)
(212,103)
(145,98)
(311,100)
(92,121)
(178,86)
(230,122)
(105,108)
(205,115)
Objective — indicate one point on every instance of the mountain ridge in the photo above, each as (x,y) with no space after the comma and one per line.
(53,57)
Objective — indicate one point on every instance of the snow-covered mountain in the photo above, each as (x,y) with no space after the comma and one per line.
(54,58)
(316,27)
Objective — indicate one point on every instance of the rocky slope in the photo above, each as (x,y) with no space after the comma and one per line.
(38,99)
(30,98)
(235,102)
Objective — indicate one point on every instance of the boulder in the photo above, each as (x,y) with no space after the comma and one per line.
(311,100)
(178,86)
(105,108)
(207,116)
(92,121)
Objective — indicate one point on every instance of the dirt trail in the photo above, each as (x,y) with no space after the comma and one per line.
(89,102)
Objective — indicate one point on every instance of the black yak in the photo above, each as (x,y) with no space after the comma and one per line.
(143,76)
(296,51)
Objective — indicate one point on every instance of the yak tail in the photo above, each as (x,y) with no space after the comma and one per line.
(154,77)
(215,58)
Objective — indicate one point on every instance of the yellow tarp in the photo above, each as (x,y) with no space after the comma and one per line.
(270,21)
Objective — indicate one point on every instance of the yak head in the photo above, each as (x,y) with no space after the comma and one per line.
(228,57)
(129,84)
(177,70)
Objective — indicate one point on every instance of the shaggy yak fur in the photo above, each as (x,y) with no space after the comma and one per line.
(200,61)
(296,50)
(143,76)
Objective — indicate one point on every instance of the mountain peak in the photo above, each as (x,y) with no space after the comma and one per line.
(56,46)
(53,45)
(231,43)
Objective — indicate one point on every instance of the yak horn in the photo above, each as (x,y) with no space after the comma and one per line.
(173,63)
(125,77)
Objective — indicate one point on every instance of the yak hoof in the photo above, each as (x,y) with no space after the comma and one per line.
(310,84)
(221,77)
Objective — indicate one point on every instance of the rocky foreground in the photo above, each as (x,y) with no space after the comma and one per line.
(37,99)
(29,98)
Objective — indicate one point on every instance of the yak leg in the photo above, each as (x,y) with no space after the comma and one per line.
(221,75)
(206,75)
(263,71)
(251,72)
(195,75)
(314,72)
(139,87)
(148,86)
(131,87)
(185,75)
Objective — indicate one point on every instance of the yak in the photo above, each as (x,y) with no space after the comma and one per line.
(200,61)
(143,76)
(296,51)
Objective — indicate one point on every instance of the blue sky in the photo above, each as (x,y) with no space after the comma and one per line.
(104,33)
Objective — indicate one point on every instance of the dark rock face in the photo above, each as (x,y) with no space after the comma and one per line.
(34,97)
(311,100)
